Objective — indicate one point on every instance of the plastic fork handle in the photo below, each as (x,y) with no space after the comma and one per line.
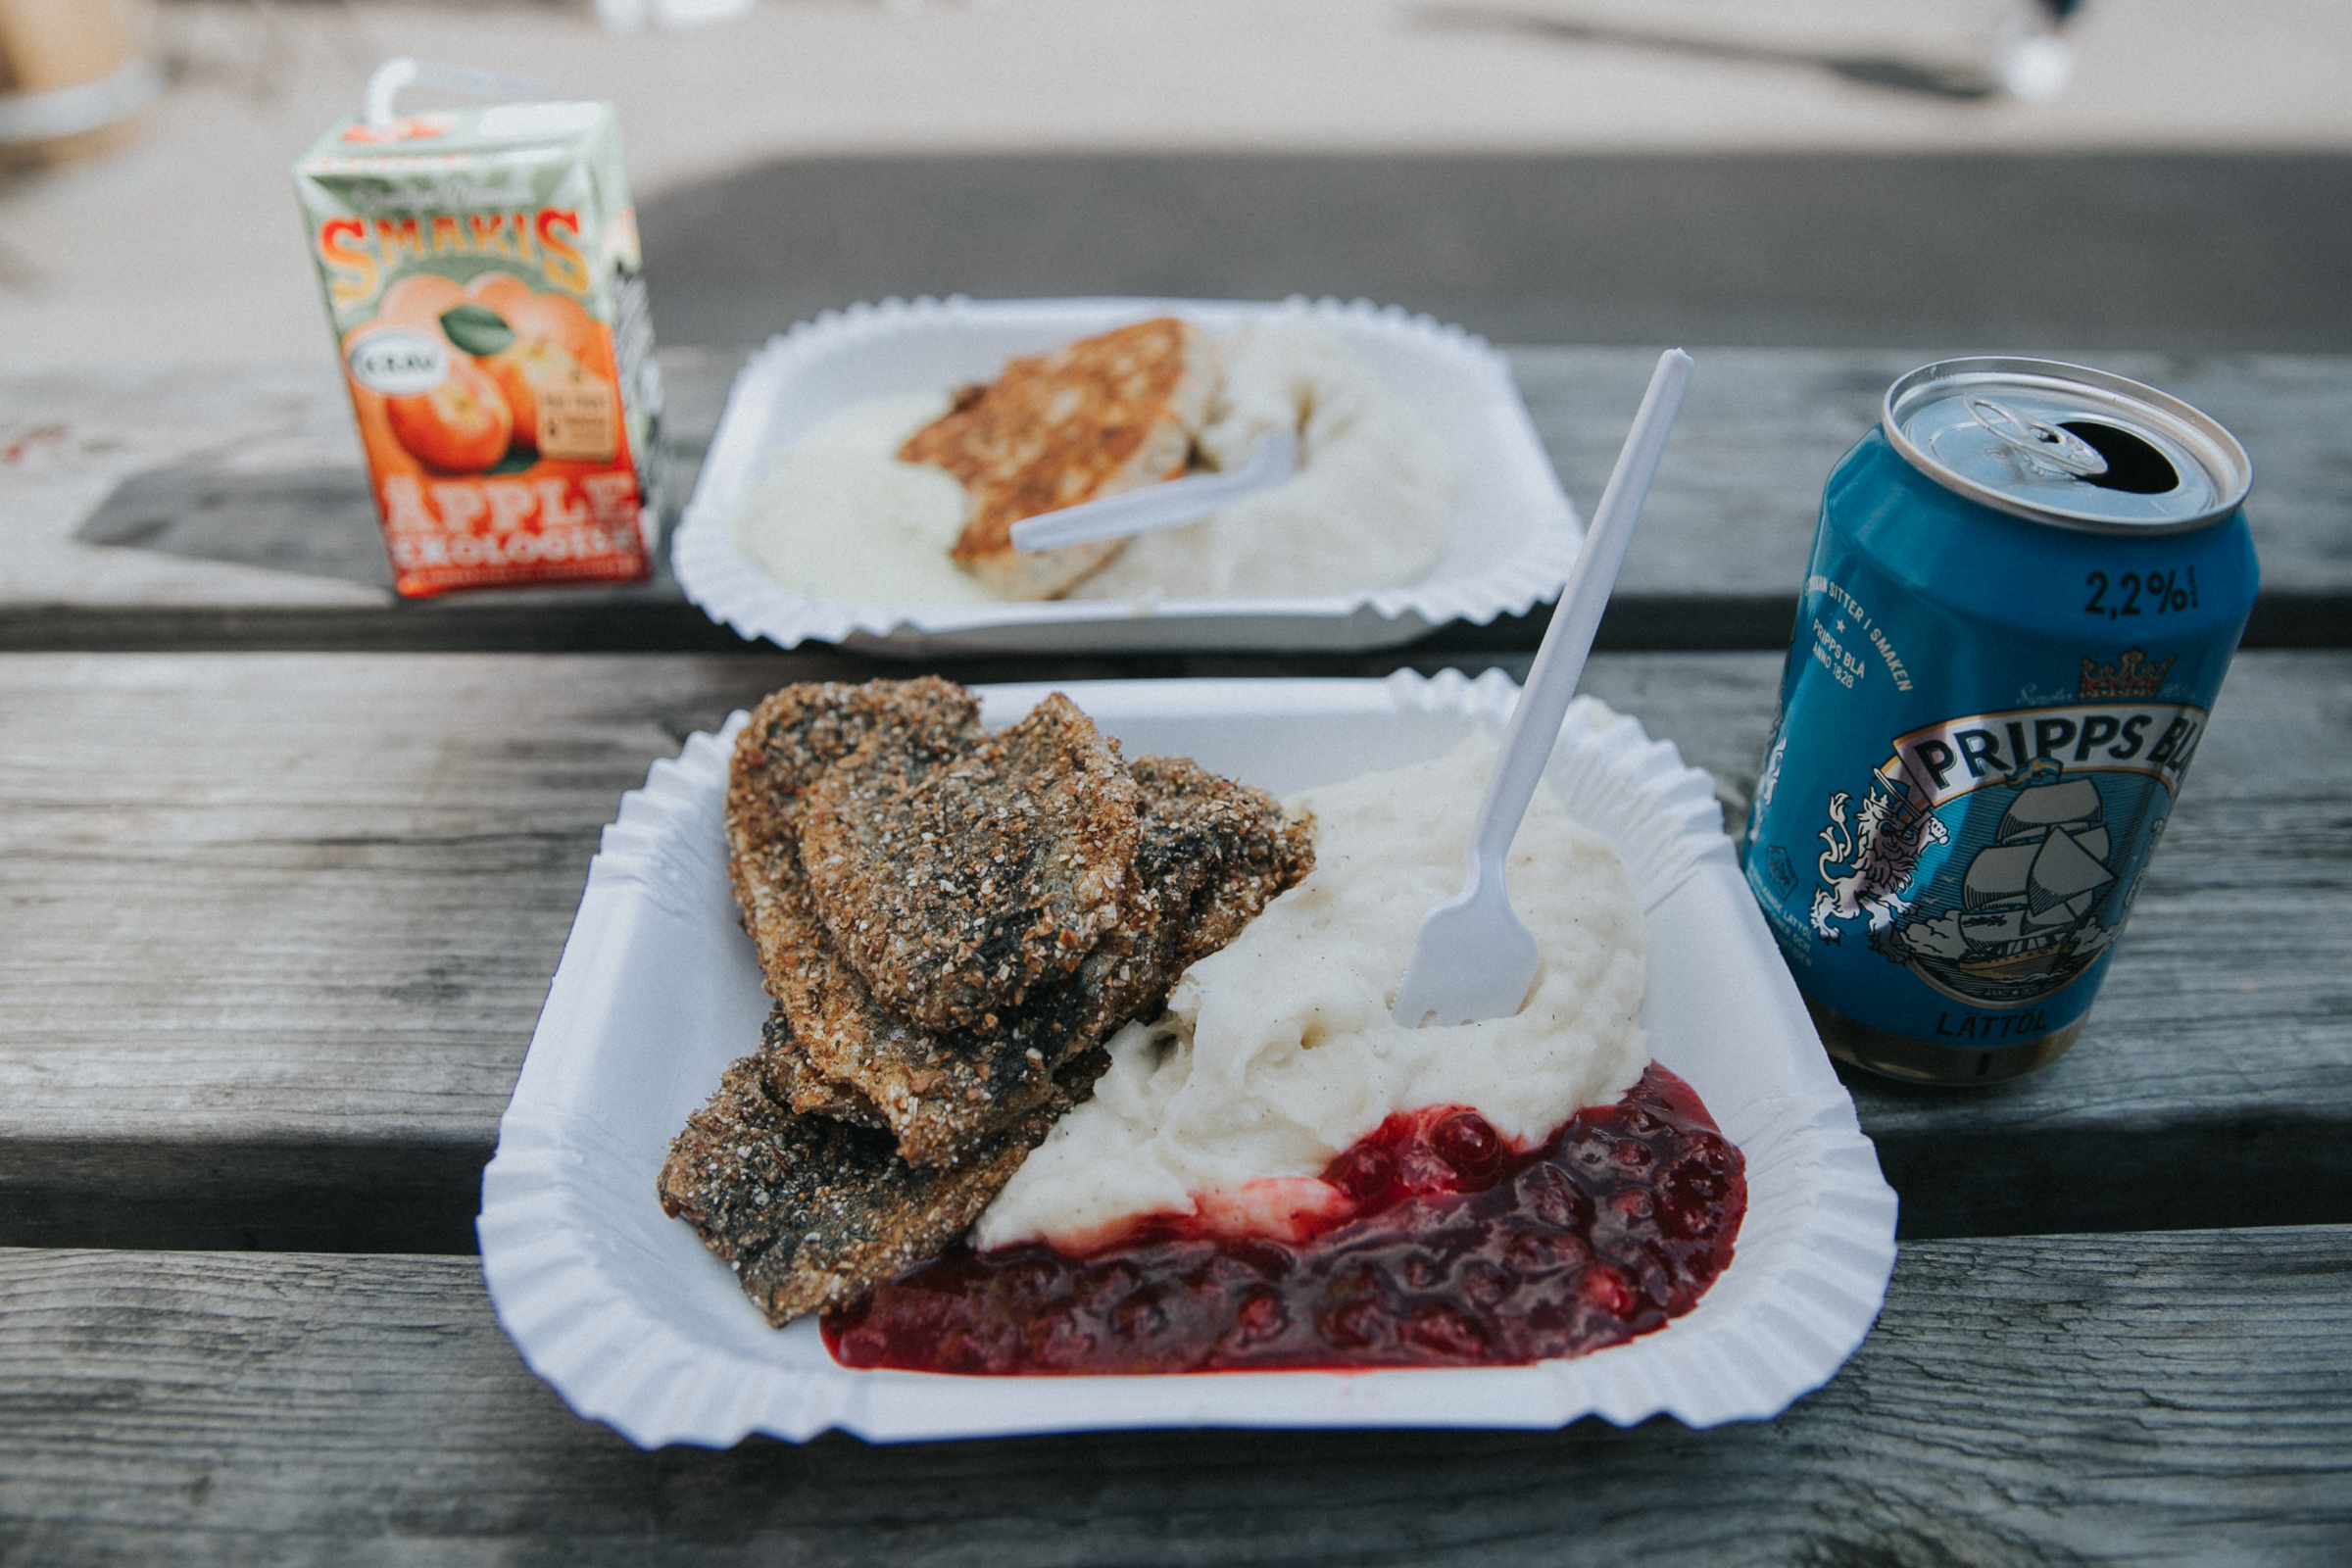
(1560,659)
(1273,457)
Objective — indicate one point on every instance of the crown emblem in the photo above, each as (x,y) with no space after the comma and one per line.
(2129,678)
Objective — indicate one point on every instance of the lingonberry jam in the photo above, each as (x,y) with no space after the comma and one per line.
(1456,1251)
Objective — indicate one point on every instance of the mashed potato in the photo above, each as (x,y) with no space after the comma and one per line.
(837,516)
(1278,1052)
(1371,506)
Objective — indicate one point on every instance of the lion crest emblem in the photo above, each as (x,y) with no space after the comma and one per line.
(1881,853)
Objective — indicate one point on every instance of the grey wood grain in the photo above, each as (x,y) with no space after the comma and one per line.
(277,929)
(283,894)
(2024,250)
(1732,512)
(1716,565)
(320,521)
(2169,1398)
(2218,1062)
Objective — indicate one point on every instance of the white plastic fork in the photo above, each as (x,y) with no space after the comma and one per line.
(1474,956)
(1273,457)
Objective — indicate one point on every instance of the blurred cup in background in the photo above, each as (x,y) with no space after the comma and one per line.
(74,75)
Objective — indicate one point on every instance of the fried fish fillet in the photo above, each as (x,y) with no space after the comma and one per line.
(1211,854)
(1215,852)
(789,742)
(795,1082)
(855,1145)
(1091,418)
(955,891)
(812,1213)
(944,1094)
(943,1097)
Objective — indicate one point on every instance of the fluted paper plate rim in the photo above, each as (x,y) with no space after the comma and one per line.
(635,1325)
(1535,526)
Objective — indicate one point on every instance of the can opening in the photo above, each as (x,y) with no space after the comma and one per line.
(2168,468)
(2132,465)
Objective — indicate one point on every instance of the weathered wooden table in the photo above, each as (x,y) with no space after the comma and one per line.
(288,864)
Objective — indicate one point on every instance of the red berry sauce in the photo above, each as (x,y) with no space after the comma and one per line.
(1448,1250)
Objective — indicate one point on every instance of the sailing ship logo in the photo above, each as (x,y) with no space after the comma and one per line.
(2026,921)
(1996,853)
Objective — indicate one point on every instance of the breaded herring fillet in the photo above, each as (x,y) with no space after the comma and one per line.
(1095,418)
(947,1093)
(1210,855)
(1224,849)
(942,1096)
(954,894)
(797,1086)
(790,740)
(857,1144)
(812,1213)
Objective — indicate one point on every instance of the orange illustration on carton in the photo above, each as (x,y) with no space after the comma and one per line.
(478,345)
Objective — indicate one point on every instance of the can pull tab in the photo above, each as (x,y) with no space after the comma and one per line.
(2041,449)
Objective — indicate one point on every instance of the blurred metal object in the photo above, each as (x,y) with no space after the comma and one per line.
(634,16)
(73,76)
(2032,61)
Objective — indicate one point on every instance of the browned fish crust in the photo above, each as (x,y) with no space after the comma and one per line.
(812,1213)
(857,1142)
(944,1094)
(799,1087)
(1226,849)
(954,894)
(789,742)
(1094,418)
(1210,855)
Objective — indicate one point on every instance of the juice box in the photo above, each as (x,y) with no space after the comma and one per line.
(482,274)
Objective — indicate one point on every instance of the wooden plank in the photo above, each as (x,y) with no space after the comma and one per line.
(144,519)
(2144,1399)
(308,905)
(280,926)
(278,929)
(243,522)
(1727,527)
(1923,242)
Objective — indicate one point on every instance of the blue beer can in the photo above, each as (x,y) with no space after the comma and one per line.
(2026,587)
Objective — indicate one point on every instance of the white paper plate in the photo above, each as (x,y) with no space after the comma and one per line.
(636,1325)
(1515,534)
